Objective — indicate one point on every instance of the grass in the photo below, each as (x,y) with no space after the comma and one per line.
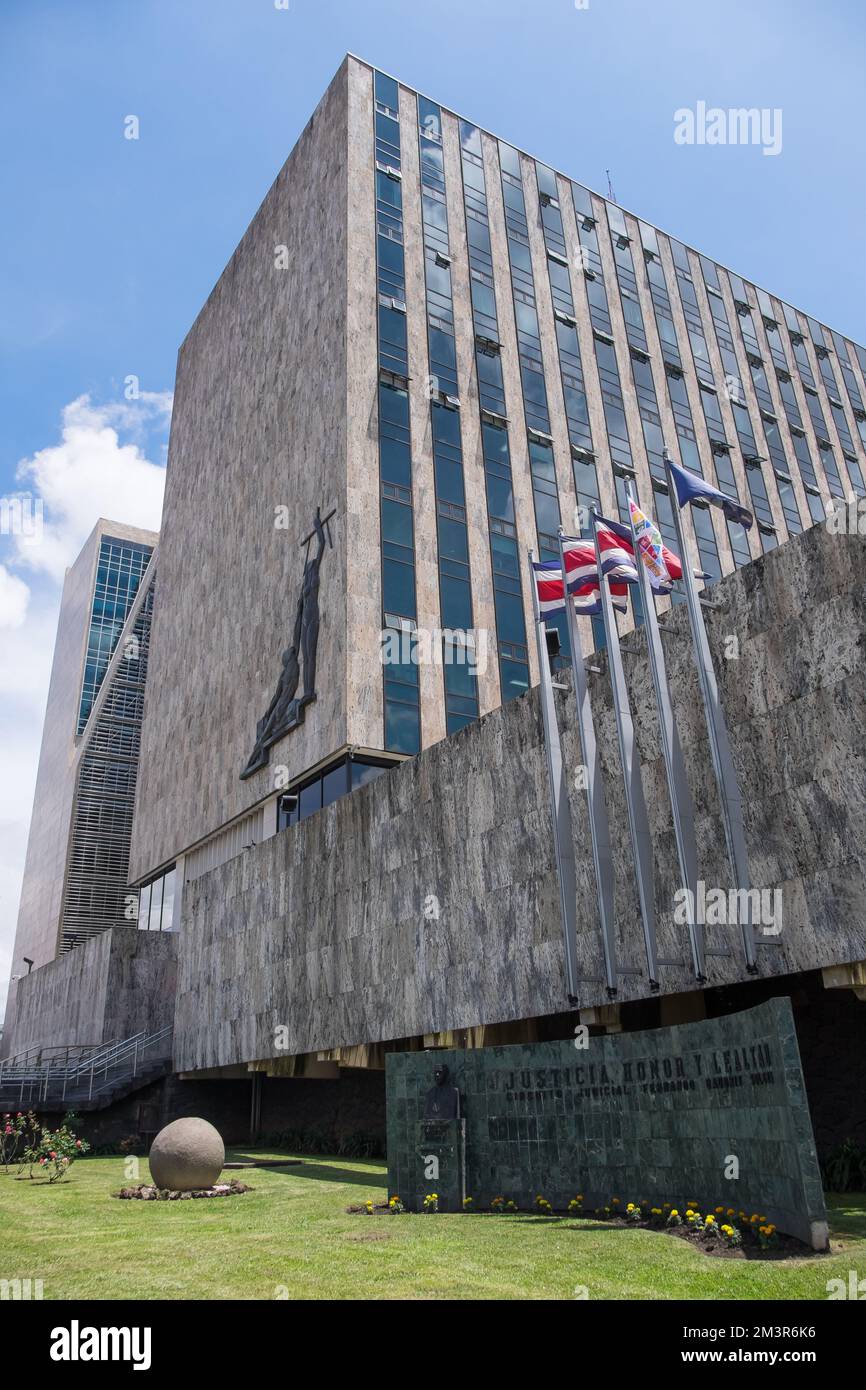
(293,1234)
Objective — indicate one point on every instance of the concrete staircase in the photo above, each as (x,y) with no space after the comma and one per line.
(83,1078)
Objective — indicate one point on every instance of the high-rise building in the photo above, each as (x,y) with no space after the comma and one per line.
(453,348)
(76,870)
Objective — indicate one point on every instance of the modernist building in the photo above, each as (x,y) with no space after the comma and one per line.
(452,348)
(428,351)
(76,871)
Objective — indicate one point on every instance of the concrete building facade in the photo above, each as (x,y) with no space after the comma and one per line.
(452,348)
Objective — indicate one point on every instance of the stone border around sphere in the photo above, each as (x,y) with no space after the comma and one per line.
(146,1192)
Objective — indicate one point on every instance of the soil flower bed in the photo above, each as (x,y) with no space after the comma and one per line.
(724,1232)
(709,1244)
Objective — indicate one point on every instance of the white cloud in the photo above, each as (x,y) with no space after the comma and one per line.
(14,598)
(92,473)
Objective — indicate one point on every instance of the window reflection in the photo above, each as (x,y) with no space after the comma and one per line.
(168,900)
(156,903)
(336,781)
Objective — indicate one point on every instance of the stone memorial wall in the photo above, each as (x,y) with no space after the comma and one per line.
(713,1112)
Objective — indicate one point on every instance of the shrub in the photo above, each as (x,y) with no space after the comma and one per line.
(52,1150)
(845,1168)
(12,1129)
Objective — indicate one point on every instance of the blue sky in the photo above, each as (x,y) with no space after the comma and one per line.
(110,246)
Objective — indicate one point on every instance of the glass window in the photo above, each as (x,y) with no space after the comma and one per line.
(484,300)
(390,251)
(396,461)
(456,598)
(392,328)
(453,544)
(144,908)
(168,900)
(398,587)
(388,190)
(155,904)
(432,164)
(335,784)
(396,522)
(446,426)
(515,678)
(495,442)
(388,131)
(500,498)
(402,727)
(310,800)
(546,513)
(582,200)
(449,480)
(459,675)
(533,389)
(394,406)
(429,118)
(362,773)
(386,91)
(510,160)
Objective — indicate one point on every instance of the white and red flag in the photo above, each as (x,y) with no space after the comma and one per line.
(582,576)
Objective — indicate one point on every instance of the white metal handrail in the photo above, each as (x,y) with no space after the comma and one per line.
(33,1057)
(73,1075)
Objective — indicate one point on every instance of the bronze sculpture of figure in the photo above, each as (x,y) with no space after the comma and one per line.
(285,711)
(310,613)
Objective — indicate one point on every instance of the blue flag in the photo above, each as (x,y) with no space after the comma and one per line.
(691,487)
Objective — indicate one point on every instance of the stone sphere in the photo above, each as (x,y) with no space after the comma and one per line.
(186,1155)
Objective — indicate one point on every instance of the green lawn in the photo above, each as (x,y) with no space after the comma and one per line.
(293,1234)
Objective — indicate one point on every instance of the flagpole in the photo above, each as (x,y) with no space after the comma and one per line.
(638,823)
(678,787)
(720,747)
(599,828)
(563,839)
